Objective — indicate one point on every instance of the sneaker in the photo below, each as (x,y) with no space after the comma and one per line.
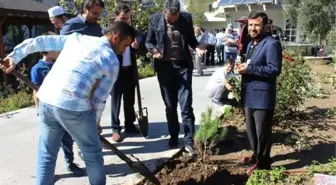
(72,167)
(173,142)
(80,154)
(190,149)
(116,137)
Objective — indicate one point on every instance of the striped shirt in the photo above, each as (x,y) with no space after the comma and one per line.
(231,48)
(83,61)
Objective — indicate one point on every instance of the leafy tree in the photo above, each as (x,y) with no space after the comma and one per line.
(314,18)
(197,14)
(140,13)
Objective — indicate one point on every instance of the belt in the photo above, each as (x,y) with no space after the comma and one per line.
(125,67)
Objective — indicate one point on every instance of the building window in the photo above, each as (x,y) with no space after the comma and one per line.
(290,31)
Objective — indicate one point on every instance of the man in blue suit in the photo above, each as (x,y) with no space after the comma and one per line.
(259,72)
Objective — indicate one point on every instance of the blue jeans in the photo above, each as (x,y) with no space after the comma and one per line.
(227,55)
(83,129)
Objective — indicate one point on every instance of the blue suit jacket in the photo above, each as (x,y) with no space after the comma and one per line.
(156,35)
(259,84)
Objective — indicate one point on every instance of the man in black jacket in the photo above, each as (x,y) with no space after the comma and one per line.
(126,82)
(169,35)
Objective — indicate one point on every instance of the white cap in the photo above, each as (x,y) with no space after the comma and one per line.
(56,11)
(230,27)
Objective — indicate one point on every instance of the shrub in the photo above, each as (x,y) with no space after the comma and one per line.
(235,82)
(16,101)
(209,132)
(276,176)
(145,68)
(331,38)
(294,85)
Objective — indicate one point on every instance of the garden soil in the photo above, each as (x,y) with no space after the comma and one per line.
(225,168)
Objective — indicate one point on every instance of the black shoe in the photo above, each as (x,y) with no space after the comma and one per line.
(173,142)
(131,130)
(190,149)
(72,167)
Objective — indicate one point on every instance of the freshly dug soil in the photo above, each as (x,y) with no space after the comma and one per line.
(184,170)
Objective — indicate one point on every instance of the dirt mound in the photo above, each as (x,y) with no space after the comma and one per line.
(184,170)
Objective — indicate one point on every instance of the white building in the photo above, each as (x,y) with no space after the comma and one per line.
(231,10)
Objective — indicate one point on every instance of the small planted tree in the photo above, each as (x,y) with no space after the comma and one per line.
(209,133)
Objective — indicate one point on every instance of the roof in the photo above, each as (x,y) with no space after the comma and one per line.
(23,8)
(242,2)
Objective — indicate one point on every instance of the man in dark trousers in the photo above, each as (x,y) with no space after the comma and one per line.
(259,73)
(126,82)
(169,34)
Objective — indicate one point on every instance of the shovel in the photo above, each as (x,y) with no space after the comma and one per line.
(137,166)
(142,114)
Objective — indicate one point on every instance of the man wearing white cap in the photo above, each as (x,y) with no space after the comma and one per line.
(57,16)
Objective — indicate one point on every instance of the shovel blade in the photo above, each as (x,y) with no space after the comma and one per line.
(137,166)
(144,171)
(143,124)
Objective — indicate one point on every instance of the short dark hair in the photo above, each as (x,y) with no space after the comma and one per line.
(172,6)
(262,15)
(122,7)
(229,61)
(223,29)
(122,29)
(47,33)
(90,3)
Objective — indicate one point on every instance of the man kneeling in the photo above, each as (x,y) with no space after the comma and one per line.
(218,87)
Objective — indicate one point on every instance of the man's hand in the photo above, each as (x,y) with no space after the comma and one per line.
(7,64)
(201,49)
(156,54)
(135,44)
(228,86)
(242,68)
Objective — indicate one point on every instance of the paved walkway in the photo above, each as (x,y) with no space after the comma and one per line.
(19,137)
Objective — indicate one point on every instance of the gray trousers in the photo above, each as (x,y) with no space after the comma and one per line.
(218,93)
(198,64)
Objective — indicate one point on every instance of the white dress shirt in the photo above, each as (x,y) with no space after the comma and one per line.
(127,57)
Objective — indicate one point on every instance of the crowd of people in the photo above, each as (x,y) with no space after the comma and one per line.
(86,64)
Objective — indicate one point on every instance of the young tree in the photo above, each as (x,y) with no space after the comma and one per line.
(197,15)
(141,12)
(314,18)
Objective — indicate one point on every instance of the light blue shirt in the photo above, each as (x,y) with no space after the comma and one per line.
(83,61)
(211,39)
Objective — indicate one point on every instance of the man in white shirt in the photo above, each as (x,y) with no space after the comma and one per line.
(220,46)
(211,44)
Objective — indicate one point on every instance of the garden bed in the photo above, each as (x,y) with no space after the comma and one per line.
(307,137)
